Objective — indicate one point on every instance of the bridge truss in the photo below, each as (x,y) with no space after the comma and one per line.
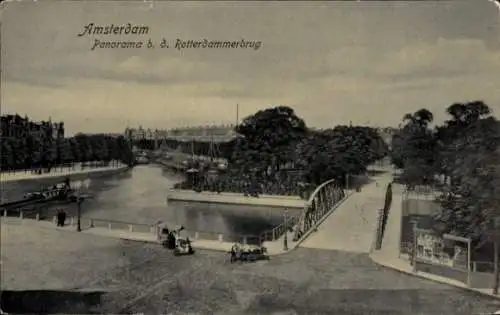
(323,199)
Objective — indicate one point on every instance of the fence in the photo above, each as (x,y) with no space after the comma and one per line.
(421,192)
(279,231)
(476,266)
(90,223)
(448,256)
(64,169)
(383,216)
(322,200)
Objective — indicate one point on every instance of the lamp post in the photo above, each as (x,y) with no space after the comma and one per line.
(495,236)
(79,202)
(285,239)
(495,266)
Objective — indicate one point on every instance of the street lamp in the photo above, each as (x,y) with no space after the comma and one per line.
(79,202)
(285,239)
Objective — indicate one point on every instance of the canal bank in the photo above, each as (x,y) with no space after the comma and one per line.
(139,196)
(75,172)
(16,184)
(275,201)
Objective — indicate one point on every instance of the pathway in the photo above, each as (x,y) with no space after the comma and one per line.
(274,248)
(55,172)
(87,274)
(351,227)
(389,254)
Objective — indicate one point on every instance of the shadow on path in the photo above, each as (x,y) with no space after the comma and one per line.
(51,302)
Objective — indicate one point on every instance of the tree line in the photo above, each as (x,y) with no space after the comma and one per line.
(275,142)
(42,150)
(458,158)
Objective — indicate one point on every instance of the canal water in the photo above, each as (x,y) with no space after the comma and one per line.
(139,196)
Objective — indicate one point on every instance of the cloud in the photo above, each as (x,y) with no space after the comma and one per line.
(442,59)
(334,63)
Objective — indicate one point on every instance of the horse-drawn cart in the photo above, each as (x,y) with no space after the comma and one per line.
(247,253)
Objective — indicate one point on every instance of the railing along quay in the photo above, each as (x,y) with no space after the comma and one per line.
(280,230)
(153,229)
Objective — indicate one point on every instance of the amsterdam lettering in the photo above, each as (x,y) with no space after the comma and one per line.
(112,29)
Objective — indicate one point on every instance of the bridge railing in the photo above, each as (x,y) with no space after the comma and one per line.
(320,202)
(279,230)
(324,199)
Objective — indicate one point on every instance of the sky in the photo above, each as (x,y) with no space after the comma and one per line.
(333,62)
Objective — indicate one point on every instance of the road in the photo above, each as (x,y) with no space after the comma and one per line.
(83,274)
(306,281)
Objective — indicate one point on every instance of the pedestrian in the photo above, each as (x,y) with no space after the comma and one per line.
(158,230)
(63,218)
(234,250)
(59,217)
(171,240)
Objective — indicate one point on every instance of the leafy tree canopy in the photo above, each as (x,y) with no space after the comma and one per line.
(22,148)
(465,151)
(267,140)
(275,140)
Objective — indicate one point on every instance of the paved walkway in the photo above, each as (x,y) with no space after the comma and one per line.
(389,255)
(55,172)
(402,265)
(352,226)
(274,248)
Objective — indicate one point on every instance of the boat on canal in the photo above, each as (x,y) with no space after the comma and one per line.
(60,191)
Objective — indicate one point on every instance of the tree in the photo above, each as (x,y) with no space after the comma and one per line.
(266,140)
(66,151)
(472,200)
(124,150)
(335,153)
(25,144)
(462,115)
(414,149)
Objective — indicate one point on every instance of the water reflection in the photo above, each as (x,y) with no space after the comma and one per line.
(227,219)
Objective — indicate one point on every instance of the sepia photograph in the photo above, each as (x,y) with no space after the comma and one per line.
(250,157)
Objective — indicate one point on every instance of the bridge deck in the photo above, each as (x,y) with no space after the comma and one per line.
(351,227)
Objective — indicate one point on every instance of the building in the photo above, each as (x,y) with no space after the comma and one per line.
(109,134)
(136,134)
(387,133)
(15,126)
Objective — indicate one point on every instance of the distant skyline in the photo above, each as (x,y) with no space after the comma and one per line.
(333,62)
